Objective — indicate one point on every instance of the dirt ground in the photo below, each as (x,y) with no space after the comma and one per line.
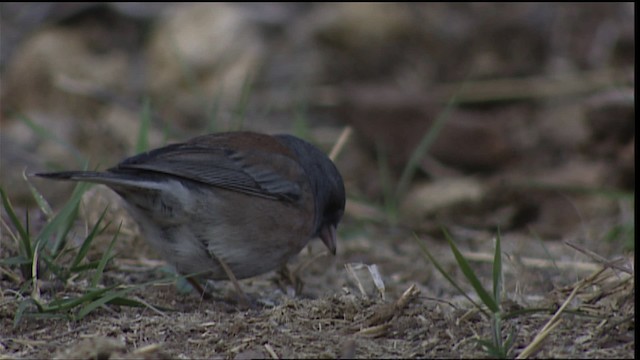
(540,147)
(333,318)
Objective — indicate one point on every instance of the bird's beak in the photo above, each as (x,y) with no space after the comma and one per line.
(328,237)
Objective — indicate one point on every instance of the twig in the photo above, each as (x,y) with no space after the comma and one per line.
(342,140)
(529,88)
(271,352)
(407,295)
(602,260)
(534,346)
(244,299)
(538,263)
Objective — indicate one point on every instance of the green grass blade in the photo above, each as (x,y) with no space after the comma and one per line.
(122,301)
(446,274)
(213,114)
(63,305)
(105,258)
(34,272)
(471,276)
(46,316)
(142,144)
(545,249)
(15,261)
(117,297)
(61,238)
(301,127)
(492,350)
(496,332)
(24,235)
(86,244)
(508,343)
(240,110)
(61,223)
(89,266)
(43,204)
(47,134)
(22,310)
(189,75)
(389,197)
(59,271)
(425,144)
(102,300)
(497,270)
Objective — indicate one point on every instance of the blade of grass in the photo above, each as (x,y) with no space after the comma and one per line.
(61,237)
(43,204)
(497,270)
(389,198)
(60,224)
(493,351)
(300,120)
(89,266)
(578,189)
(545,249)
(425,144)
(15,261)
(471,276)
(496,335)
(22,308)
(35,289)
(63,305)
(189,74)
(447,276)
(46,316)
(57,270)
(102,300)
(511,339)
(117,297)
(140,303)
(105,258)
(86,244)
(142,144)
(214,112)
(240,110)
(24,235)
(121,301)
(47,134)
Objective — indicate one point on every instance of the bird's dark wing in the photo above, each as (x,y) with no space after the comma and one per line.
(254,172)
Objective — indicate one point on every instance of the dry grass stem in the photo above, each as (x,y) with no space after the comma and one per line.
(271,352)
(535,262)
(342,140)
(411,293)
(351,271)
(529,88)
(615,264)
(555,320)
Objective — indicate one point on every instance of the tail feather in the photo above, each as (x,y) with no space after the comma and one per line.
(110,179)
(90,176)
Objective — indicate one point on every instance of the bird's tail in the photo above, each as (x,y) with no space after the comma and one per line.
(89,176)
(111,179)
(106,178)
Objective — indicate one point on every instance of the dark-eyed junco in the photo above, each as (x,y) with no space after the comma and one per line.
(228,204)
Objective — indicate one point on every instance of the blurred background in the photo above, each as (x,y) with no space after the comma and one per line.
(477,115)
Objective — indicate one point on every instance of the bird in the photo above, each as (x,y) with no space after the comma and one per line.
(228,205)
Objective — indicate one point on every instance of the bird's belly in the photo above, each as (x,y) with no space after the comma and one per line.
(252,237)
